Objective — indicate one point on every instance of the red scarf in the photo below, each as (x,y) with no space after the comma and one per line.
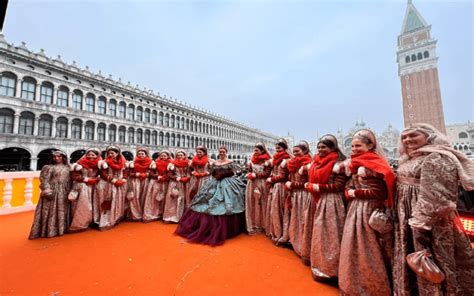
(199,161)
(181,163)
(321,169)
(279,156)
(377,164)
(141,165)
(257,159)
(116,165)
(162,166)
(296,162)
(87,163)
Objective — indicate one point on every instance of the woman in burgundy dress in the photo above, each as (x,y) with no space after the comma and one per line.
(217,210)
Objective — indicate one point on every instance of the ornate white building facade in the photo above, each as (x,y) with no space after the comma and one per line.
(461,137)
(47,104)
(388,139)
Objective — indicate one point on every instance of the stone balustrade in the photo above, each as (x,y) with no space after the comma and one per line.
(19,191)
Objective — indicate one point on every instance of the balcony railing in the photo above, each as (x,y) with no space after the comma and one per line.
(19,191)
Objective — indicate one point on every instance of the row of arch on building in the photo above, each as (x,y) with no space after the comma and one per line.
(20,159)
(61,127)
(417,57)
(46,92)
(461,147)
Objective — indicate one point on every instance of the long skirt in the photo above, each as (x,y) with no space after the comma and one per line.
(275,212)
(155,200)
(301,223)
(82,207)
(256,196)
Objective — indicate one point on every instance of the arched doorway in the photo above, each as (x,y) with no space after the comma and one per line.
(44,158)
(76,155)
(14,159)
(128,155)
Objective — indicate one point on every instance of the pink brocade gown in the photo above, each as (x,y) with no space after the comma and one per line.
(154,203)
(52,214)
(195,183)
(256,195)
(328,226)
(276,203)
(106,191)
(436,176)
(138,187)
(301,217)
(363,264)
(82,207)
(175,200)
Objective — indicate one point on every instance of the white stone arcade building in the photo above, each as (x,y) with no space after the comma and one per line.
(47,104)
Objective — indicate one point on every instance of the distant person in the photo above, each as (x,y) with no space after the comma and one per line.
(137,173)
(276,197)
(298,201)
(52,214)
(175,202)
(199,173)
(363,264)
(154,203)
(326,183)
(256,194)
(217,210)
(427,194)
(112,188)
(85,176)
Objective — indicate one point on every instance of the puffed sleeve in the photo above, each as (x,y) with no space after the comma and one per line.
(438,192)
(45,177)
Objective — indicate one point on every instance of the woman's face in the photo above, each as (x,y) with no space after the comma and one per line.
(360,147)
(297,151)
(180,155)
(141,154)
(199,153)
(323,150)
(164,156)
(112,154)
(257,151)
(91,155)
(413,140)
(57,158)
(222,153)
(279,148)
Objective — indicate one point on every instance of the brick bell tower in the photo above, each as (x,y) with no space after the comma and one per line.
(418,71)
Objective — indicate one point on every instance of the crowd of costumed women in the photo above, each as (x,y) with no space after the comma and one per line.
(352,220)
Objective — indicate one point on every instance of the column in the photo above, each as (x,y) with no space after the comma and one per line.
(29,191)
(33,164)
(18,88)
(35,126)
(37,92)
(7,193)
(53,128)
(16,123)
(55,96)
(69,123)
(83,130)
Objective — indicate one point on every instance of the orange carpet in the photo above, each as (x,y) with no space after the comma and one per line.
(145,259)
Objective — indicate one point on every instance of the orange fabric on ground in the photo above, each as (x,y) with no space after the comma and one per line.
(146,259)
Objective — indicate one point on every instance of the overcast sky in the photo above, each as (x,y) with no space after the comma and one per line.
(304,67)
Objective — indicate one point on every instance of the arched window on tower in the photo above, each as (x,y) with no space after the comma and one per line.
(419,56)
(413,57)
(462,135)
(407,59)
(426,54)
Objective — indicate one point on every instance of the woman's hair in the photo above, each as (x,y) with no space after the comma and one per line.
(60,153)
(368,137)
(331,142)
(224,148)
(282,143)
(304,146)
(202,148)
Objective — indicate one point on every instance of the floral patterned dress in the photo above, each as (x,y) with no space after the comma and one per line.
(256,196)
(328,226)
(175,201)
(427,189)
(82,206)
(155,196)
(363,265)
(196,182)
(108,193)
(52,214)
(276,202)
